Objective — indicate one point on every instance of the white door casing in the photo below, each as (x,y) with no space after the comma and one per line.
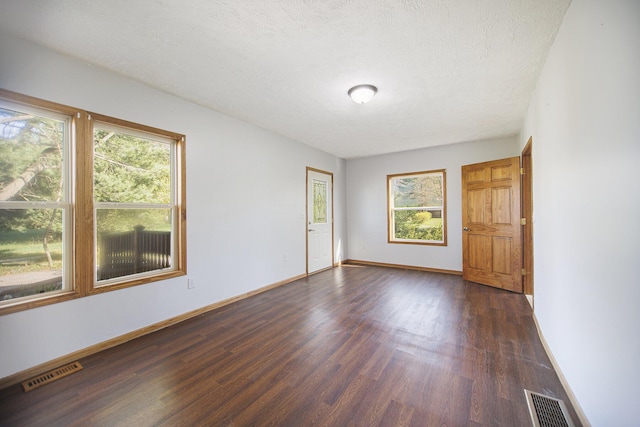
(319,220)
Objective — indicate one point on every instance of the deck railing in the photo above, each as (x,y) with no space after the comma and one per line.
(137,251)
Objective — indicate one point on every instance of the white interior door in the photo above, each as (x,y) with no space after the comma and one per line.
(319,220)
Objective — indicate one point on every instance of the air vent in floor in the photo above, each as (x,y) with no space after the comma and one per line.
(50,376)
(547,411)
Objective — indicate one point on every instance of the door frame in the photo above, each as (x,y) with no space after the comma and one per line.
(527,213)
(306,221)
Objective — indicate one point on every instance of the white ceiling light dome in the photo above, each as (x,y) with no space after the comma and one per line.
(362,93)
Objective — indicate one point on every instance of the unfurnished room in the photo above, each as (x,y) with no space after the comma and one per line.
(338,213)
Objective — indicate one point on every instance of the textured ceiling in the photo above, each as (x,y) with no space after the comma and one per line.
(447,70)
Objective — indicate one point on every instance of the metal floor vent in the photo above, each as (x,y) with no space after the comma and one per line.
(547,411)
(51,376)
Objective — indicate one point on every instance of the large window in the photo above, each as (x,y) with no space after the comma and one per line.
(417,208)
(134,200)
(35,214)
(88,203)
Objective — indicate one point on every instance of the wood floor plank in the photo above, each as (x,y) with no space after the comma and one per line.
(397,415)
(352,346)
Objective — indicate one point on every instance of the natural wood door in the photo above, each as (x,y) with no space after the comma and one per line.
(491,237)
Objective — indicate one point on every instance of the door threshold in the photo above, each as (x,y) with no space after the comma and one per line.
(319,271)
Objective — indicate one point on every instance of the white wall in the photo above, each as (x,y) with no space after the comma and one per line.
(245,207)
(585,121)
(367,201)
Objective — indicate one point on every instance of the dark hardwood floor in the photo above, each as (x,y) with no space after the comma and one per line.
(352,346)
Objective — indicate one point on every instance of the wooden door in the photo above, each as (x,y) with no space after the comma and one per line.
(491,236)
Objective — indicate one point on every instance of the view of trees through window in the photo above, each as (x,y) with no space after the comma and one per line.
(416,207)
(32,202)
(88,203)
(132,195)
(132,192)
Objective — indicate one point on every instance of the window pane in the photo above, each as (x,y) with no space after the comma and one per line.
(130,169)
(418,191)
(31,154)
(418,225)
(132,241)
(30,252)
(319,202)
(417,208)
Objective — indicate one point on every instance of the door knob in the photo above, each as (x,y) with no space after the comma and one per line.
(311,229)
(466,228)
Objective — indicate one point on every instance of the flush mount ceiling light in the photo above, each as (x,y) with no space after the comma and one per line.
(362,93)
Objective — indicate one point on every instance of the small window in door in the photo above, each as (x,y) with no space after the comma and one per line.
(319,202)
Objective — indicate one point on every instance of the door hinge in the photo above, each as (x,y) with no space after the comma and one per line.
(523,221)
(521,171)
(524,272)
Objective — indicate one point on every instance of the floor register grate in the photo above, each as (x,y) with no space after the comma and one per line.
(547,411)
(51,376)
